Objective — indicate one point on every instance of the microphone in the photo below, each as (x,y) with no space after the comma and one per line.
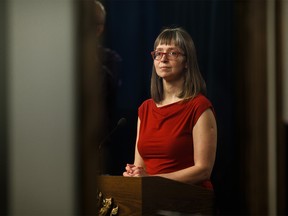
(120,123)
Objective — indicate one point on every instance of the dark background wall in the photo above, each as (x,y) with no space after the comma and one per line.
(131,29)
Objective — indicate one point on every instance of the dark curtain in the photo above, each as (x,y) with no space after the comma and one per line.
(131,29)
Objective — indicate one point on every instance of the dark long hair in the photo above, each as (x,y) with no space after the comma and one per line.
(193,80)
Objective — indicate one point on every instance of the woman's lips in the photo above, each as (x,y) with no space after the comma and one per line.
(164,68)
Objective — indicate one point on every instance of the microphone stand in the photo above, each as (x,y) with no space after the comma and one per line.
(120,123)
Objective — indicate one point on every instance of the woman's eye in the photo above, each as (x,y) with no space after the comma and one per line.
(173,53)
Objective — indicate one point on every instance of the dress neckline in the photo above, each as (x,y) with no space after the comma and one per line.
(167,105)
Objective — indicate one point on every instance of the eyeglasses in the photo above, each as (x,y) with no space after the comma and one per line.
(157,55)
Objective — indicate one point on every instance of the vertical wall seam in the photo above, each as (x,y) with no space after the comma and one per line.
(271,100)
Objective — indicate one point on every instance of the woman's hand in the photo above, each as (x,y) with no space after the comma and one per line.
(134,171)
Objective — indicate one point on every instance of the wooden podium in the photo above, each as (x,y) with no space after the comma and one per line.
(156,196)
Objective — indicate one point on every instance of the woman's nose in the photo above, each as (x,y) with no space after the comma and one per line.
(164,57)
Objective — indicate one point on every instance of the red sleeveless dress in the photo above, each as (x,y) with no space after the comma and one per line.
(165,138)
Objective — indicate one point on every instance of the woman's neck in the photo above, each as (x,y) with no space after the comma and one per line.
(171,92)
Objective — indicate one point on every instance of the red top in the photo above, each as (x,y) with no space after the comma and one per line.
(165,138)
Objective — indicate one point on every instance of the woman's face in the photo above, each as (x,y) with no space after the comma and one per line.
(170,62)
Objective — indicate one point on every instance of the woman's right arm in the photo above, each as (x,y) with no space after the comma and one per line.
(138,161)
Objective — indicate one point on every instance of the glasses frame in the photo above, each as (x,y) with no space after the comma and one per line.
(167,55)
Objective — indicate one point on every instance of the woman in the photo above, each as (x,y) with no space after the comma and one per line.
(176,129)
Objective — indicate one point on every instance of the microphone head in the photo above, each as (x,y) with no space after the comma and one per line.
(121,122)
